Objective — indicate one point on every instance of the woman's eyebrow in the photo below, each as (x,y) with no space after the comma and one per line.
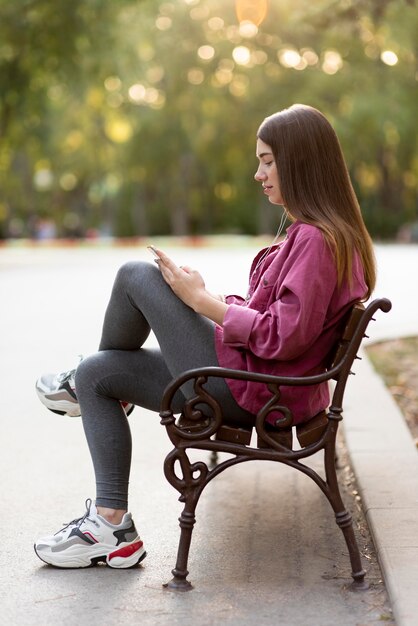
(263,154)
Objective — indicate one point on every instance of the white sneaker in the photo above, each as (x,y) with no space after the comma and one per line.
(87,541)
(57,393)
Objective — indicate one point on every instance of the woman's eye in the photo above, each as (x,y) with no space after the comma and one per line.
(269,163)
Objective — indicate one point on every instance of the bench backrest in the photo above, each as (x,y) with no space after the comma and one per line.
(350,328)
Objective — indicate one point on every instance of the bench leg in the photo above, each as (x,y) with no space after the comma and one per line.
(343,518)
(190,483)
(345,522)
(179,581)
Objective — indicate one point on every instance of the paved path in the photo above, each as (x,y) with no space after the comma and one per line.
(382,450)
(247,568)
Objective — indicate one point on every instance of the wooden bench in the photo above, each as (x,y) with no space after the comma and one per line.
(195,430)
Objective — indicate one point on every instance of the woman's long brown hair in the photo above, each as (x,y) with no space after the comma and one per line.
(316,186)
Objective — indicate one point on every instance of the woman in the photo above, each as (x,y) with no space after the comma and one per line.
(299,292)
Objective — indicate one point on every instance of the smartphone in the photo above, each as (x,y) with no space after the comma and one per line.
(153,251)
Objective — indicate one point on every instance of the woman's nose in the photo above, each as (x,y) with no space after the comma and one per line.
(259,175)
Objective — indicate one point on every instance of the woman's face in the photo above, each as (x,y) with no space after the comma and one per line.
(267,173)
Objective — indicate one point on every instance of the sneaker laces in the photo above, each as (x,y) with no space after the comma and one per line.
(65,376)
(78,521)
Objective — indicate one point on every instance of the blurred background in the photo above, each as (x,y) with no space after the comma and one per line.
(138,118)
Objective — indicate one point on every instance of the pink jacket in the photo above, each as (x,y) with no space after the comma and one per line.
(289,322)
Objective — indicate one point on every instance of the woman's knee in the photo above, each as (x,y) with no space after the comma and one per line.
(89,373)
(137,272)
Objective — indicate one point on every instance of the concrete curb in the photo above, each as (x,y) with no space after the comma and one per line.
(385,462)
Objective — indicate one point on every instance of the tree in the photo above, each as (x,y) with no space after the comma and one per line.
(140,118)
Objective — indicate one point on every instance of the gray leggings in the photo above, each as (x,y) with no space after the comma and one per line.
(141,301)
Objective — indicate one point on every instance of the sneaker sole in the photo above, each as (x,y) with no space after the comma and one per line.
(61,407)
(76,559)
(71,409)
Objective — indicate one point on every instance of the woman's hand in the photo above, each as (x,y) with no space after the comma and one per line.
(189,286)
(186,283)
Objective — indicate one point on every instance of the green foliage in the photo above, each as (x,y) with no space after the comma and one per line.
(139,118)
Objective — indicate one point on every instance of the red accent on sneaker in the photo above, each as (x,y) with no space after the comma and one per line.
(91,536)
(126,550)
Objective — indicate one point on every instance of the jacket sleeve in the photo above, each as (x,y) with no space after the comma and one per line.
(300,299)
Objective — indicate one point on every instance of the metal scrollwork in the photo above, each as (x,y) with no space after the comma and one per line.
(282,422)
(194,475)
(206,424)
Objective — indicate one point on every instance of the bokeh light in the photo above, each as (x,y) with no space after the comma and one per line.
(259,57)
(224,191)
(206,53)
(223,76)
(289,57)
(241,55)
(43,179)
(155,74)
(216,23)
(118,130)
(73,141)
(163,22)
(68,181)
(199,13)
(389,57)
(332,62)
(248,29)
(112,83)
(137,92)
(195,76)
(251,11)
(310,56)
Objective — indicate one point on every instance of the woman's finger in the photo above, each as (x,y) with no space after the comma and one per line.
(166,259)
(166,272)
